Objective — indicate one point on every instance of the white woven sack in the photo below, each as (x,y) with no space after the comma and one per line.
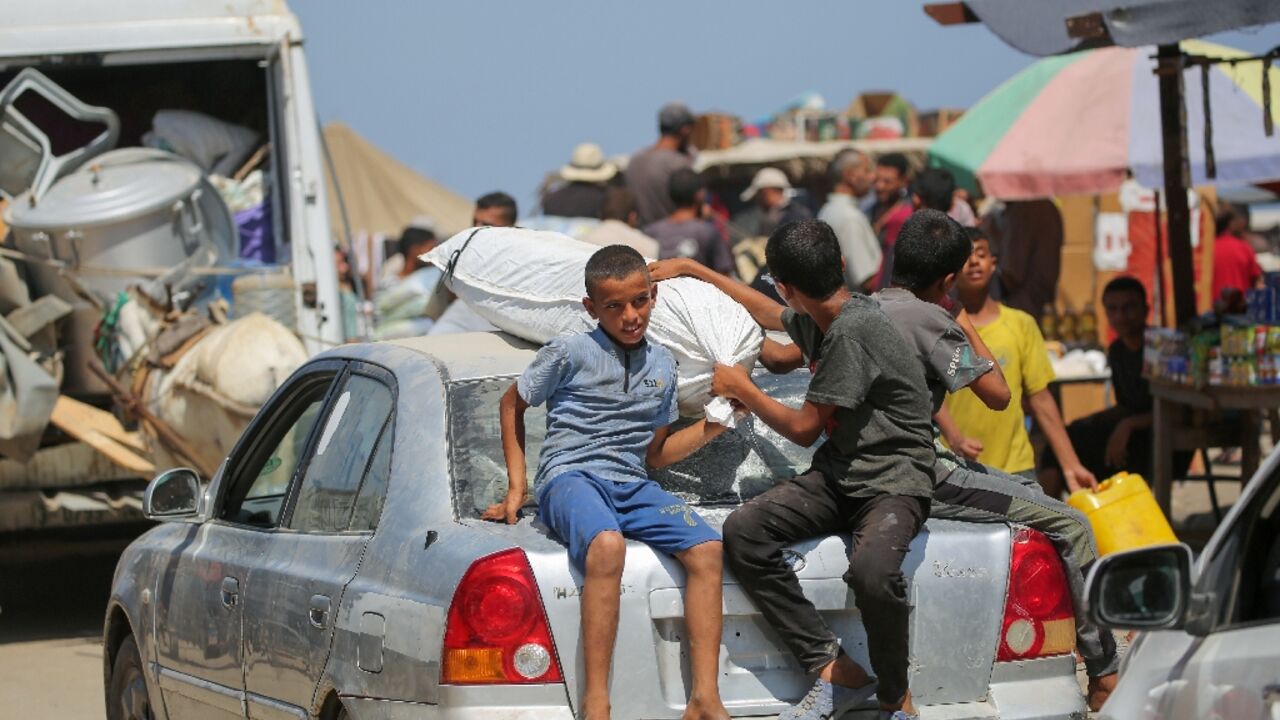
(530,284)
(213,391)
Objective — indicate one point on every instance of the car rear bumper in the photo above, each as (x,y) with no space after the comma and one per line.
(1044,689)
(1033,689)
(505,702)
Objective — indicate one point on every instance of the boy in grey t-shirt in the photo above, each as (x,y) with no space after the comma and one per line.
(932,248)
(873,475)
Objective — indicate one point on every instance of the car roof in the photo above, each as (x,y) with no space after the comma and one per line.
(468,356)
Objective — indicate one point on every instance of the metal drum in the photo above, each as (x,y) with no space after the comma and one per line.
(127,210)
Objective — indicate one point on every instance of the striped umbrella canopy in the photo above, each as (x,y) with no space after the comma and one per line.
(1077,123)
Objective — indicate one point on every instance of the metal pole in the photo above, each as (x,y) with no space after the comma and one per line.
(1162,303)
(1173,128)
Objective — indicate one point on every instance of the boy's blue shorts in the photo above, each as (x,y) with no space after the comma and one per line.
(577,505)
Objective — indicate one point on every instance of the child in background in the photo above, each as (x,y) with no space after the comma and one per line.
(999,439)
(1118,438)
(611,399)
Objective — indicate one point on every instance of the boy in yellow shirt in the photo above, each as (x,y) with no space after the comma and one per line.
(999,439)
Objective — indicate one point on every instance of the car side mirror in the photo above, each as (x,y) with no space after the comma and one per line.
(173,495)
(1143,589)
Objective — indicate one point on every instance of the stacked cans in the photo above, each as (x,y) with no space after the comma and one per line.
(1264,303)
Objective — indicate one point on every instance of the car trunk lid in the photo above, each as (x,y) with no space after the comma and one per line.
(957,575)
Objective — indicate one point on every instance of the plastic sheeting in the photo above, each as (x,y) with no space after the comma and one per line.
(381,194)
(27,396)
(530,284)
(735,467)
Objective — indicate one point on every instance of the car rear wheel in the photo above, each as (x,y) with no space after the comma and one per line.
(127,697)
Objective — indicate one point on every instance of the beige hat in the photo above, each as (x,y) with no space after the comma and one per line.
(588,165)
(769,177)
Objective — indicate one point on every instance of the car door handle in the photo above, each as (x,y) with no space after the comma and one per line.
(230,592)
(318,611)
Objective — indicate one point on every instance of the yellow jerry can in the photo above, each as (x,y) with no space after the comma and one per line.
(1123,513)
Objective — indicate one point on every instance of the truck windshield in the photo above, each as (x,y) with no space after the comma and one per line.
(733,468)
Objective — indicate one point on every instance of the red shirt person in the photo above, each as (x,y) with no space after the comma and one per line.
(1235,266)
(890,211)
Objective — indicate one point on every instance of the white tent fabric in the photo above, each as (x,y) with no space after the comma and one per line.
(765,151)
(382,194)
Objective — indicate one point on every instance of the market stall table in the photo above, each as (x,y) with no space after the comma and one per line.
(1168,396)
(1081,378)
(1078,391)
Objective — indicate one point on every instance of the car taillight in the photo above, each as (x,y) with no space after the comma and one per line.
(497,631)
(1038,617)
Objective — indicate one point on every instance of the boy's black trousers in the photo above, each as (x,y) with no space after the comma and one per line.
(808,506)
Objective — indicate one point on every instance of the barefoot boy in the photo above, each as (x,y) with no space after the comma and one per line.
(611,397)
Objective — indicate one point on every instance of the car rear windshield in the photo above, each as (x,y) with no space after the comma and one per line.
(733,468)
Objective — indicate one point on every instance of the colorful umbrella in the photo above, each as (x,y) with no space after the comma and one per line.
(1075,124)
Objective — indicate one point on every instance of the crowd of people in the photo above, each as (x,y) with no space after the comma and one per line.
(659,206)
(662,208)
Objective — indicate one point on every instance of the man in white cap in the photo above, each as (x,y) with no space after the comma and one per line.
(586,179)
(772,195)
(650,169)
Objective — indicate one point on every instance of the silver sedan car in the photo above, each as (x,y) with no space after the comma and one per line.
(335,567)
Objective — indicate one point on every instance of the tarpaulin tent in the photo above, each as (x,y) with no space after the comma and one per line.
(1050,28)
(1078,123)
(381,193)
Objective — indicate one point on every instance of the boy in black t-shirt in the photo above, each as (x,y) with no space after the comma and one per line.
(872,476)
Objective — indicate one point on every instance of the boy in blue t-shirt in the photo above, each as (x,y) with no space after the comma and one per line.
(611,399)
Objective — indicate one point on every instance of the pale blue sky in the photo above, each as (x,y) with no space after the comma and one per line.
(484,95)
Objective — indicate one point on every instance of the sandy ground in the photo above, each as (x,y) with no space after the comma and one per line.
(53,590)
(59,678)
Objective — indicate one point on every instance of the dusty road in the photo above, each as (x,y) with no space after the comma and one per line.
(53,591)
